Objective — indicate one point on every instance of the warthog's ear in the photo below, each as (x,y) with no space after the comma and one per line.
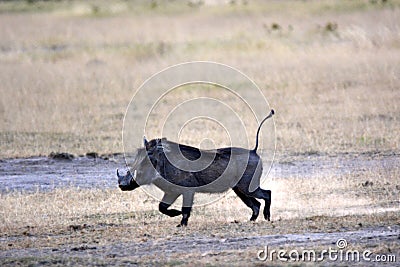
(145,142)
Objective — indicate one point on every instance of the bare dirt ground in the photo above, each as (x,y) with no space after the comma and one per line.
(219,251)
(47,173)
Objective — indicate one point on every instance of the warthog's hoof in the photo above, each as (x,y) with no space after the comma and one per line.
(183,223)
(174,213)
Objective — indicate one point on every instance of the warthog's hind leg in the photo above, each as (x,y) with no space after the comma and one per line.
(266,195)
(250,202)
(267,212)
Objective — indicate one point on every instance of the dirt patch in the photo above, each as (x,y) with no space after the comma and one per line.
(197,248)
(94,224)
(49,173)
(57,171)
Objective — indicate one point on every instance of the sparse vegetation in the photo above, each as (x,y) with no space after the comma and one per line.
(67,82)
(102,221)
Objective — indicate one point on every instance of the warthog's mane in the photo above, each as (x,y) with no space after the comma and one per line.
(141,154)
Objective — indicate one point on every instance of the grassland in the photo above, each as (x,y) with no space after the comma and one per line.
(330,69)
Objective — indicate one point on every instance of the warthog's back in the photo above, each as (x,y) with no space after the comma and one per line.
(224,167)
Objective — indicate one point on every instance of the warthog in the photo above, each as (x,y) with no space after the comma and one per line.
(184,170)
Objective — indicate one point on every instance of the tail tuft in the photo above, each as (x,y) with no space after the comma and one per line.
(271,113)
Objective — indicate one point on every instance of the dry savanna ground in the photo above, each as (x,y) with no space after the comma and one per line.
(68,70)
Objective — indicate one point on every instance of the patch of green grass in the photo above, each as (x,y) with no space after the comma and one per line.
(371,141)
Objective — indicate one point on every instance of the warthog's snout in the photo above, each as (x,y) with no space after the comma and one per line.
(126,182)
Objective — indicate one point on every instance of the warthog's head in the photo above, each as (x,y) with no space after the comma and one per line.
(143,171)
(126,182)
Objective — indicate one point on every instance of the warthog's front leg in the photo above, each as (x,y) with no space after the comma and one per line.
(166,202)
(186,207)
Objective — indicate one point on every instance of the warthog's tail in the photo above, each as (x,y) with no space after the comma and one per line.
(259,127)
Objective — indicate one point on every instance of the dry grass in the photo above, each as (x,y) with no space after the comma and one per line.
(329,68)
(332,75)
(73,218)
(330,197)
